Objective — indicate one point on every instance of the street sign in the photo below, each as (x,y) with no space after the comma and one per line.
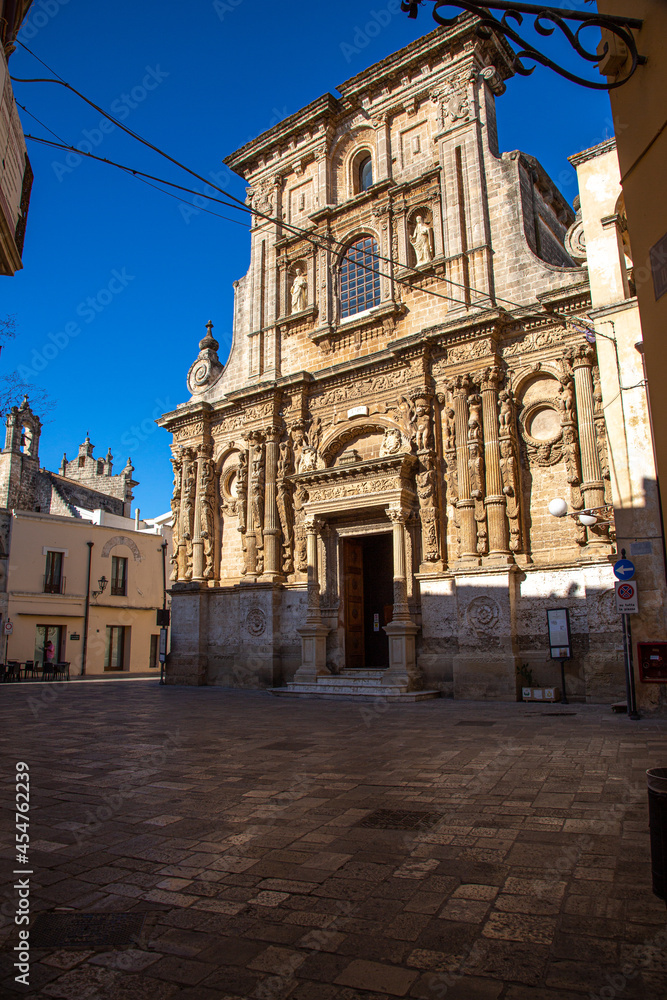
(8,628)
(626,597)
(624,569)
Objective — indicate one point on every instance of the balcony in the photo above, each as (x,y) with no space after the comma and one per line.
(55,586)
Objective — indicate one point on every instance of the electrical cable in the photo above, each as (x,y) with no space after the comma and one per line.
(296,230)
(141,174)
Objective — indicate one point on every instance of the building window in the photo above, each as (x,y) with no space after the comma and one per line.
(118,576)
(155,651)
(82,461)
(114,656)
(365,174)
(359,277)
(53,577)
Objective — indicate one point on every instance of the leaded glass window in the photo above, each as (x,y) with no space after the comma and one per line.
(360,277)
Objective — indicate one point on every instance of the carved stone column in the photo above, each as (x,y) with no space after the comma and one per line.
(401,630)
(255,535)
(465,504)
(313,616)
(314,633)
(272,553)
(495,499)
(592,486)
(242,506)
(197,539)
(188,499)
(176,502)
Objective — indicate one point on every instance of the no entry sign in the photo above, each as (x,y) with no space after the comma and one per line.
(626,597)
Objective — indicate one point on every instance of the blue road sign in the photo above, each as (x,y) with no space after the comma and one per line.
(624,569)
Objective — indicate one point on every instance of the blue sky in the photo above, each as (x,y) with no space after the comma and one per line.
(120,279)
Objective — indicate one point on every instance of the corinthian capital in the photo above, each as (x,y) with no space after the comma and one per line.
(397,515)
(492,378)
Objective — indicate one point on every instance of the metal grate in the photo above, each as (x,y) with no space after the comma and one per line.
(92,930)
(400,819)
(474,722)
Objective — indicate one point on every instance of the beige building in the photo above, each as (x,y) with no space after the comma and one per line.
(74,570)
(600,239)
(638,109)
(361,492)
(16,178)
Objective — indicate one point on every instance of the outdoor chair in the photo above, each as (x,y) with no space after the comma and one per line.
(13,670)
(61,670)
(29,668)
(48,668)
(3,672)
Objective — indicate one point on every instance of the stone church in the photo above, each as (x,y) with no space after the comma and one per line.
(361,490)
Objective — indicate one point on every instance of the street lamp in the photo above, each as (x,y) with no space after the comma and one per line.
(102,584)
(588,517)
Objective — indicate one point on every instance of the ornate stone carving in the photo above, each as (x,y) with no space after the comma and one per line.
(510,466)
(391,442)
(427,491)
(177,465)
(483,615)
(454,103)
(207,513)
(575,238)
(300,549)
(206,369)
(255,622)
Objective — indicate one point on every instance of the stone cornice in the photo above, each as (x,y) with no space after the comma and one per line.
(402,466)
(590,154)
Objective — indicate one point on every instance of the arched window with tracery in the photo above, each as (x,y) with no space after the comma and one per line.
(359,277)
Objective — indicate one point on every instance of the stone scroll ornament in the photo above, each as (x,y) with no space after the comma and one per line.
(476,469)
(510,468)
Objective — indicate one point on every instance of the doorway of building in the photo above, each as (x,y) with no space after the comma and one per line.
(44,635)
(368,600)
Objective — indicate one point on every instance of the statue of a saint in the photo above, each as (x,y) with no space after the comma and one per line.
(299,291)
(421,241)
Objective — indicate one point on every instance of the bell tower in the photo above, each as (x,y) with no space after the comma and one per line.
(19,460)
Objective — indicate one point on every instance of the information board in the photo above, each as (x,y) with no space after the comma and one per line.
(558,621)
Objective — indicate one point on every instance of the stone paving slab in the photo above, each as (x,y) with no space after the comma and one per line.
(330,851)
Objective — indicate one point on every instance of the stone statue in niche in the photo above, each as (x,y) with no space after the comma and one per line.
(422,434)
(566,401)
(421,242)
(299,291)
(450,430)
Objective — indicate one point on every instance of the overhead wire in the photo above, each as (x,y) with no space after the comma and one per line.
(319,241)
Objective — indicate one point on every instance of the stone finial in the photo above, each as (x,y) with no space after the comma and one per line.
(209,343)
(63,464)
(129,469)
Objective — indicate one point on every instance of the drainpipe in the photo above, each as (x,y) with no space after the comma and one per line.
(86,613)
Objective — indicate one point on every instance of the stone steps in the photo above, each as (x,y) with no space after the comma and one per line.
(359,685)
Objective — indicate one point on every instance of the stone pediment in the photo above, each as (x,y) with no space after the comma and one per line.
(374,482)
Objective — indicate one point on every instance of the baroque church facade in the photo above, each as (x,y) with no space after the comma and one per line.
(364,484)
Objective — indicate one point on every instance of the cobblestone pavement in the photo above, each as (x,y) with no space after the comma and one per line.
(319,850)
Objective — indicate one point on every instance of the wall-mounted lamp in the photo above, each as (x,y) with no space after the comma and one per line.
(588,517)
(102,584)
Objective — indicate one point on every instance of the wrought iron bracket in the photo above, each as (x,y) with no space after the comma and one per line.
(546,20)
